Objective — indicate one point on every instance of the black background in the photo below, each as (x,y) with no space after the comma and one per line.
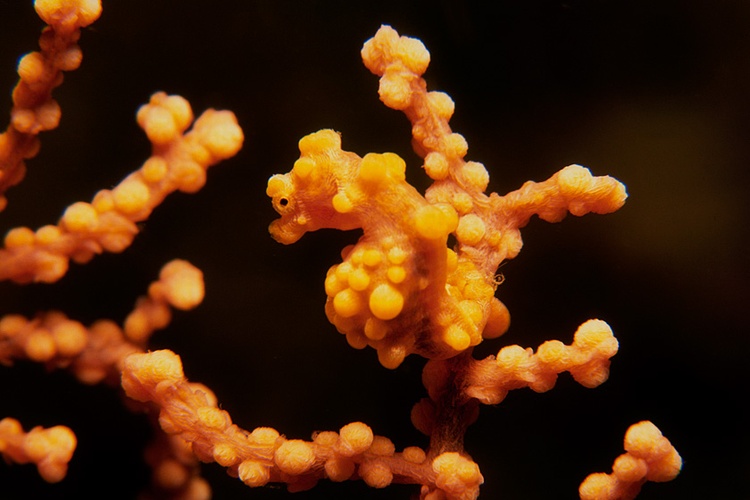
(654,93)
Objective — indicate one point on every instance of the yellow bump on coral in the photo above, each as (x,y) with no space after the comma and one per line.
(11,325)
(69,13)
(264,436)
(394,92)
(395,165)
(470,230)
(178,107)
(600,486)
(457,338)
(596,334)
(253,473)
(154,169)
(413,53)
(442,104)
(333,284)
(47,116)
(373,168)
(396,274)
(339,469)
(319,141)
(454,145)
(436,165)
(220,134)
(303,167)
(476,174)
(645,440)
(225,454)
(294,457)
(183,284)
(80,217)
(214,418)
(70,337)
(189,176)
(386,302)
(157,122)
(170,474)
(131,196)
(143,371)
(382,446)
(414,454)
(69,59)
(359,279)
(375,329)
(19,237)
(341,203)
(433,222)
(47,235)
(649,457)
(472,310)
(355,438)
(392,356)
(574,180)
(31,67)
(498,321)
(50,449)
(103,201)
(347,303)
(40,346)
(375,473)
(629,468)
(277,185)
(372,257)
(327,439)
(397,255)
(458,476)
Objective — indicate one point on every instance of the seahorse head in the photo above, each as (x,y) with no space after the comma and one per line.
(305,197)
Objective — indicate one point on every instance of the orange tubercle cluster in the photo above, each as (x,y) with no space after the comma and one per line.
(108,222)
(587,359)
(96,353)
(50,449)
(191,412)
(649,457)
(34,109)
(180,285)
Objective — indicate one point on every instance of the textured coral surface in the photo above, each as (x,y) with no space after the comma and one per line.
(654,95)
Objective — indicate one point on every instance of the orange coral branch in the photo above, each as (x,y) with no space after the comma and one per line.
(108,223)
(191,411)
(180,285)
(649,457)
(400,289)
(587,360)
(50,449)
(34,110)
(97,352)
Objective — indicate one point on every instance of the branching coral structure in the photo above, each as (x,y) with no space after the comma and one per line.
(402,290)
(421,280)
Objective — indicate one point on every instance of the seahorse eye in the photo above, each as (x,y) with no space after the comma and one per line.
(284,204)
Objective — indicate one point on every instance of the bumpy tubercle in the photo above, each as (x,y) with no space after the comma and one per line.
(108,223)
(190,412)
(40,72)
